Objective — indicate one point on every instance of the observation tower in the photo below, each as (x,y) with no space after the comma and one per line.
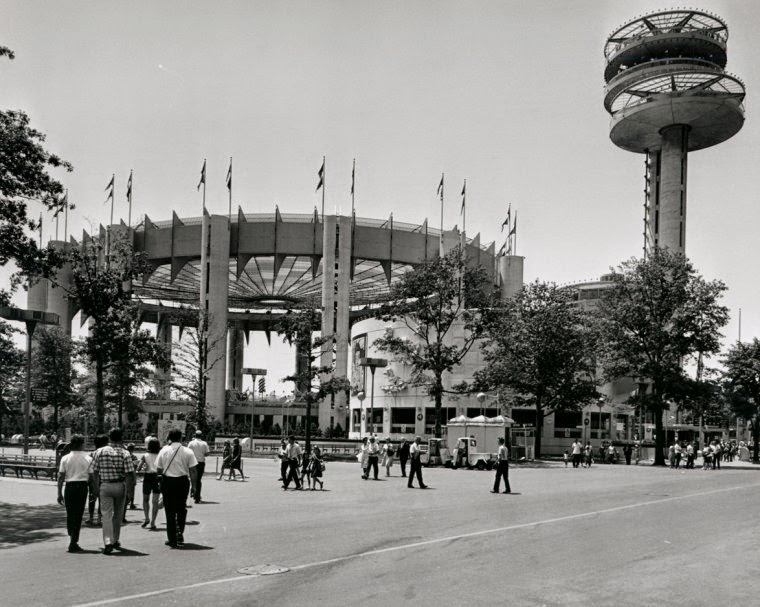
(668,94)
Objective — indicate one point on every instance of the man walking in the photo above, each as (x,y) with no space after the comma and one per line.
(292,456)
(576,451)
(502,469)
(416,464)
(199,447)
(113,473)
(178,466)
(373,453)
(403,455)
(74,470)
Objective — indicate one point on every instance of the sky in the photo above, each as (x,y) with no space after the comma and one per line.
(507,95)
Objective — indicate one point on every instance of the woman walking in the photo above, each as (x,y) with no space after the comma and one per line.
(315,469)
(237,453)
(388,453)
(151,487)
(226,459)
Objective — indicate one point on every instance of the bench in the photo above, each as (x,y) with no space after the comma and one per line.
(32,464)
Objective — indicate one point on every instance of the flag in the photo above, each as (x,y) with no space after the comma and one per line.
(203,176)
(229,177)
(353,177)
(109,188)
(439,191)
(508,220)
(514,226)
(321,175)
(464,195)
(129,188)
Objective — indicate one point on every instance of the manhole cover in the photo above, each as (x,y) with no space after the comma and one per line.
(263,570)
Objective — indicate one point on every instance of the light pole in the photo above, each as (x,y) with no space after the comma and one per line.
(600,404)
(361,396)
(31,318)
(481,398)
(373,363)
(253,373)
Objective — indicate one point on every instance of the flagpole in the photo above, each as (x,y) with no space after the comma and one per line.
(129,200)
(324,182)
(40,230)
(56,226)
(66,217)
(440,248)
(229,189)
(353,186)
(204,187)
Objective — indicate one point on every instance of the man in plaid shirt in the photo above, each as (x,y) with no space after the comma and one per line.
(113,472)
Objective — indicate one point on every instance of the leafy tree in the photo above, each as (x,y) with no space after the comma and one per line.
(24,177)
(741,381)
(52,368)
(101,289)
(657,313)
(432,301)
(541,348)
(296,327)
(12,382)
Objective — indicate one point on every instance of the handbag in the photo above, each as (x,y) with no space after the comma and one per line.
(322,465)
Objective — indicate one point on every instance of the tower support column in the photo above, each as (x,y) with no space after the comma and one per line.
(235,352)
(163,375)
(215,277)
(671,206)
(342,321)
(510,275)
(329,244)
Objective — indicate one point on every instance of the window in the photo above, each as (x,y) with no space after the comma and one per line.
(402,420)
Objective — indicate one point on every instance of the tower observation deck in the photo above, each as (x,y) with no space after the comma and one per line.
(668,94)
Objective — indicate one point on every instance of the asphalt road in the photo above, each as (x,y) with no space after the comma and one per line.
(609,535)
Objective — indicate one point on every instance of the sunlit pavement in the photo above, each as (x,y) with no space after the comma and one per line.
(609,535)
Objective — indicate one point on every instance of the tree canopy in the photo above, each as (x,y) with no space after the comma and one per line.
(741,381)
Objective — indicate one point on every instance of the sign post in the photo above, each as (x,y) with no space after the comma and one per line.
(254,373)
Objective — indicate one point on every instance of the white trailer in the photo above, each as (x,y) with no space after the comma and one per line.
(477,440)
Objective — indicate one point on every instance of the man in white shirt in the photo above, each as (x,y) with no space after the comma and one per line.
(199,447)
(75,472)
(373,453)
(576,451)
(177,468)
(292,456)
(416,464)
(502,469)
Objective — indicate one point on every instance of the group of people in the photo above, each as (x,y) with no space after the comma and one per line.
(370,452)
(712,454)
(296,466)
(109,475)
(582,456)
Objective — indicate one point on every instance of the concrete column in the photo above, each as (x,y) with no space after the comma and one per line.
(329,241)
(163,376)
(510,275)
(58,301)
(215,277)
(235,351)
(342,326)
(37,296)
(672,190)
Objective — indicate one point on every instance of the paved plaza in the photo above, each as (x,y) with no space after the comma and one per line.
(609,535)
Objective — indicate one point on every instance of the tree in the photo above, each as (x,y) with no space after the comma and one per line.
(296,327)
(24,177)
(741,382)
(11,370)
(52,368)
(658,312)
(101,288)
(432,301)
(541,348)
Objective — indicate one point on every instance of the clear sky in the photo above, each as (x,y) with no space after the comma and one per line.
(507,95)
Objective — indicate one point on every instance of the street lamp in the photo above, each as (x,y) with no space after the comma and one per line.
(600,404)
(361,396)
(373,363)
(481,398)
(31,318)
(253,373)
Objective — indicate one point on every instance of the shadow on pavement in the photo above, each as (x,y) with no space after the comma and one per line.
(190,546)
(24,524)
(128,552)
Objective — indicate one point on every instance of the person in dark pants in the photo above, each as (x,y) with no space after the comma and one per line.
(373,452)
(74,471)
(416,464)
(502,469)
(292,455)
(236,460)
(177,468)
(283,461)
(199,447)
(101,440)
(403,455)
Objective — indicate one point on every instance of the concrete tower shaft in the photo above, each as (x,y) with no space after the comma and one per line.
(668,94)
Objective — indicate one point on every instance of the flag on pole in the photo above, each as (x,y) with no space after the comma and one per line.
(353,177)
(464,195)
(203,176)
(129,188)
(439,191)
(508,220)
(109,189)
(514,226)
(321,175)
(229,176)
(40,229)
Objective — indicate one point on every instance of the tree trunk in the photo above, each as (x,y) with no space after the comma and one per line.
(307,443)
(539,429)
(55,417)
(438,403)
(659,442)
(99,396)
(755,440)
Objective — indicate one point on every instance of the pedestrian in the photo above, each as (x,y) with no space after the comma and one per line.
(565,457)
(678,452)
(177,467)
(416,464)
(689,455)
(283,461)
(130,501)
(363,457)
(151,487)
(74,471)
(305,465)
(706,457)
(236,462)
(717,451)
(388,455)
(113,473)
(627,452)
(373,456)
(200,449)
(588,454)
(575,449)
(403,455)
(502,468)
(101,440)
(316,466)
(226,459)
(293,455)
(43,441)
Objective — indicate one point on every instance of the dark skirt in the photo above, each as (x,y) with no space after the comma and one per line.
(150,483)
